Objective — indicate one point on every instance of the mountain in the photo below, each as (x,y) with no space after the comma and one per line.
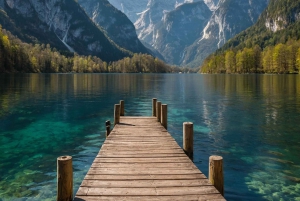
(209,30)
(179,29)
(116,24)
(149,20)
(271,45)
(277,24)
(230,18)
(132,8)
(61,23)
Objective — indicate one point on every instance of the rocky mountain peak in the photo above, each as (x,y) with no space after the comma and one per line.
(117,25)
(61,23)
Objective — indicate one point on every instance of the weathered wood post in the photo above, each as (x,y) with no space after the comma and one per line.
(122,110)
(216,173)
(154,101)
(164,115)
(107,125)
(64,178)
(188,139)
(117,114)
(158,111)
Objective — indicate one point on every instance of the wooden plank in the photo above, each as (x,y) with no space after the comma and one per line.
(140,143)
(144,183)
(141,155)
(141,165)
(140,160)
(139,147)
(139,151)
(100,159)
(143,177)
(149,191)
(152,171)
(214,197)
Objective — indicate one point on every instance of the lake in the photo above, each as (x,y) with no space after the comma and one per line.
(253,121)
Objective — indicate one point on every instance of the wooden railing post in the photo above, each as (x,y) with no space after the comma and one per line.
(64,178)
(107,125)
(117,114)
(188,139)
(122,110)
(154,101)
(164,115)
(158,111)
(216,176)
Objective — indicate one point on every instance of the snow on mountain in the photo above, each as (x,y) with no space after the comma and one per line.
(227,18)
(61,23)
(130,7)
(117,25)
(231,17)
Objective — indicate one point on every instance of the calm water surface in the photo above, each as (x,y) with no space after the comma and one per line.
(253,121)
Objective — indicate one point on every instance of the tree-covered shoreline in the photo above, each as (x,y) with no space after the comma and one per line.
(19,57)
(278,59)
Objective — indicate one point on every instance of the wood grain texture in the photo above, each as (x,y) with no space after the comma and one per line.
(141,161)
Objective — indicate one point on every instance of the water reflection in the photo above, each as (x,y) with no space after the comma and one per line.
(251,120)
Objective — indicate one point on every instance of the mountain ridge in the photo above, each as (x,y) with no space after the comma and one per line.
(62,24)
(228,18)
(115,23)
(271,45)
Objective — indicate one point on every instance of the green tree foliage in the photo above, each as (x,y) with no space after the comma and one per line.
(269,46)
(281,58)
(16,56)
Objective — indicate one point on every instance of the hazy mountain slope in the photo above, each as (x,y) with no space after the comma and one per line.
(61,23)
(179,29)
(279,22)
(231,17)
(149,20)
(131,8)
(116,24)
(227,18)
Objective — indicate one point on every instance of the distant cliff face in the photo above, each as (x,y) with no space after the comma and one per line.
(131,8)
(61,23)
(179,29)
(230,18)
(116,24)
(225,19)
(280,14)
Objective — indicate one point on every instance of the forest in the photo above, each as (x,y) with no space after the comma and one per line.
(279,59)
(16,56)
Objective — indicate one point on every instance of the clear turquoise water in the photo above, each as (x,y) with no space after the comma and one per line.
(253,121)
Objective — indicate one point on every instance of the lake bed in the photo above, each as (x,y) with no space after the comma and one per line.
(250,120)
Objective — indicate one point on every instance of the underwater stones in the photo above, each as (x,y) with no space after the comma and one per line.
(275,153)
(248,160)
(294,179)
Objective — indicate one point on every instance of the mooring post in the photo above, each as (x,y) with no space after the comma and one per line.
(216,176)
(64,178)
(164,115)
(107,125)
(154,101)
(158,111)
(122,111)
(188,139)
(117,114)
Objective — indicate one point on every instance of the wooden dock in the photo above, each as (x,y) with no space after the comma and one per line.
(140,160)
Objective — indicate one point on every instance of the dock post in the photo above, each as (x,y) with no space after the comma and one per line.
(216,176)
(107,125)
(158,111)
(122,110)
(154,101)
(164,115)
(64,178)
(117,114)
(188,139)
